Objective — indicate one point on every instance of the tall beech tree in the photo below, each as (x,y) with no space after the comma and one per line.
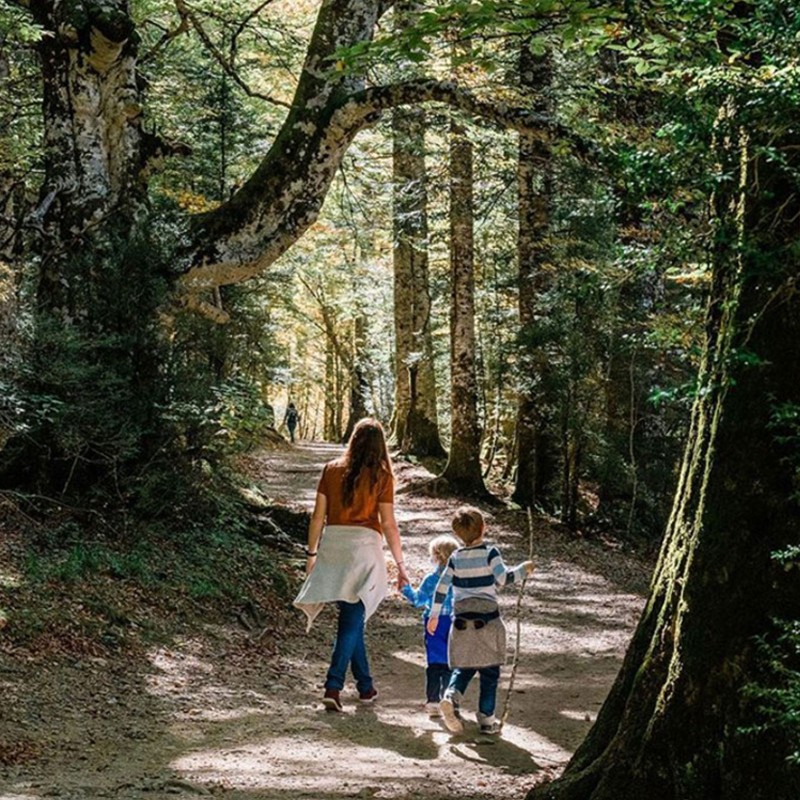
(536,461)
(463,469)
(416,426)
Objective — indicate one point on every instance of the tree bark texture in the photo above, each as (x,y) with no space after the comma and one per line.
(672,726)
(463,469)
(94,149)
(359,385)
(416,428)
(536,447)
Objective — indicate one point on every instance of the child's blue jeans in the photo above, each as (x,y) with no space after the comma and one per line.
(349,649)
(489,677)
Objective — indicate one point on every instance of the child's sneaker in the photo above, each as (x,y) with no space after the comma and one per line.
(432,710)
(490,725)
(450,715)
(369,696)
(331,700)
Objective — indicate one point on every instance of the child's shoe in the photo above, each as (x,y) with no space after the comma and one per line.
(331,700)
(432,709)
(369,696)
(450,715)
(490,725)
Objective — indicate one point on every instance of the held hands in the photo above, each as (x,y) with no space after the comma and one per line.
(433,624)
(402,576)
(529,568)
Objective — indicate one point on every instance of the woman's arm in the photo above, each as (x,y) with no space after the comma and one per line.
(315,526)
(392,534)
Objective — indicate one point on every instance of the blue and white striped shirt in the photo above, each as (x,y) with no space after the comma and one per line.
(474,571)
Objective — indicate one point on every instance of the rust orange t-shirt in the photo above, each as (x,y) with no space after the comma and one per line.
(363,511)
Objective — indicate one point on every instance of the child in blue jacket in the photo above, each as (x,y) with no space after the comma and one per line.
(437,672)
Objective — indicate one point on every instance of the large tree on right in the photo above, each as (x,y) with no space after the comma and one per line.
(681,721)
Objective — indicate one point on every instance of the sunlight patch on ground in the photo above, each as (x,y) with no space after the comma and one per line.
(211,714)
(415,657)
(349,752)
(291,762)
(583,716)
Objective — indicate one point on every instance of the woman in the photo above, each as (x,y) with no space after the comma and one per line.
(355,504)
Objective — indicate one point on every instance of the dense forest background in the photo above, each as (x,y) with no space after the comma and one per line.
(618,293)
(552,245)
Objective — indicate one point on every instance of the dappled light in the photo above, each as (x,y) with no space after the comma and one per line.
(260,728)
(399,399)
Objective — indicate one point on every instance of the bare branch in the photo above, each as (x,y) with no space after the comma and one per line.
(246,20)
(219,57)
(167,37)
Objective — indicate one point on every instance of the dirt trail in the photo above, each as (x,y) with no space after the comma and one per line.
(215,714)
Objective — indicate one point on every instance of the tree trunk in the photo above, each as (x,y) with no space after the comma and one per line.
(329,423)
(416,423)
(463,469)
(672,726)
(359,386)
(536,444)
(94,152)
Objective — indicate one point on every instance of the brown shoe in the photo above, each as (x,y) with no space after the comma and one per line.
(331,700)
(369,696)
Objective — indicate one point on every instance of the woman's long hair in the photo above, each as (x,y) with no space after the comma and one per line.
(366,456)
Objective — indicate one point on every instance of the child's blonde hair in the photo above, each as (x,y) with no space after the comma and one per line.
(468,524)
(441,548)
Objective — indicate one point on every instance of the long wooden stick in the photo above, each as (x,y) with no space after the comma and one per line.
(515,660)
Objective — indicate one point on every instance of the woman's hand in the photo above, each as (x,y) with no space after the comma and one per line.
(315,526)
(402,576)
(433,624)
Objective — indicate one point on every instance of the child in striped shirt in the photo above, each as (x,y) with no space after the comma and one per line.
(474,572)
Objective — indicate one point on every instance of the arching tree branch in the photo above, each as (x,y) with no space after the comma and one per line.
(271,211)
(301,198)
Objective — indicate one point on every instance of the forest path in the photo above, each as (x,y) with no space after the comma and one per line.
(575,628)
(222,714)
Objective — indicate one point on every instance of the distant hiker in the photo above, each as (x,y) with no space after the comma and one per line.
(346,565)
(437,672)
(290,419)
(477,640)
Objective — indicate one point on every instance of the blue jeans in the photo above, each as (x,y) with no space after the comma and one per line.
(459,681)
(349,649)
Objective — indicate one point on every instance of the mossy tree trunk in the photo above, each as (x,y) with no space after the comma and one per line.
(95,152)
(536,472)
(672,726)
